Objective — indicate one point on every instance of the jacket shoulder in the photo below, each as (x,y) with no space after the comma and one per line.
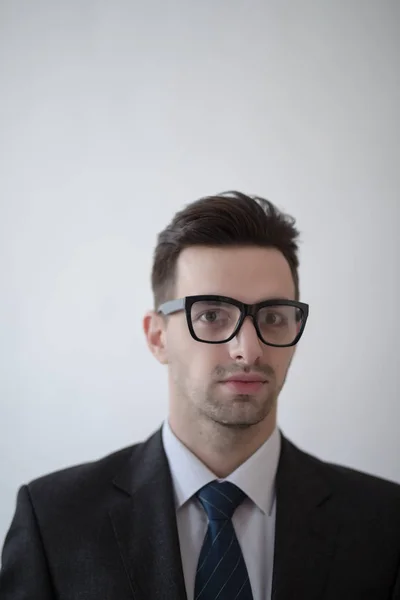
(85,480)
(349,482)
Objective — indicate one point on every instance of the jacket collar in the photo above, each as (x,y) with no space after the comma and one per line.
(144,522)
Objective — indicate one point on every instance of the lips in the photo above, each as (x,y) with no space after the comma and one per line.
(244,386)
(246,379)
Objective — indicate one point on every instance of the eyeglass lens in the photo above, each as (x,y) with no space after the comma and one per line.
(215,321)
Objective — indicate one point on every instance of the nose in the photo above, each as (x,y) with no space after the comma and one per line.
(246,346)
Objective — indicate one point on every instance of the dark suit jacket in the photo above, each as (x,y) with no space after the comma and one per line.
(107,531)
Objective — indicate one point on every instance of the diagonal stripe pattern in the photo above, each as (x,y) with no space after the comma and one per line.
(221,571)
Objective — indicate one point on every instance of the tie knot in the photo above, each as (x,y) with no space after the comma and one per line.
(220,499)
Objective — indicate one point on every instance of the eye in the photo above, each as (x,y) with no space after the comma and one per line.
(214,314)
(274,319)
(209,316)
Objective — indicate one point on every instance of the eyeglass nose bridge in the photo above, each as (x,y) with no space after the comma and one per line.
(249,310)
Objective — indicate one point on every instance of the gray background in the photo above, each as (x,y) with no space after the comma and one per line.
(114,115)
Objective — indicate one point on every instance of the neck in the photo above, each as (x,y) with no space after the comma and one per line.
(221,448)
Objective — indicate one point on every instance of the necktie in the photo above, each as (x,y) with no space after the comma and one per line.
(221,571)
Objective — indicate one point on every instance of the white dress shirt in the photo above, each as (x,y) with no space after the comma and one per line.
(253,520)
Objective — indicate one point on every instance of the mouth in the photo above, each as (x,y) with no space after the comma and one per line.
(240,386)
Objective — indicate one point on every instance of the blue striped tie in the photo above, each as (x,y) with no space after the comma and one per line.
(221,572)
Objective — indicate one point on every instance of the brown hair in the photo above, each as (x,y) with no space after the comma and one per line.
(227,219)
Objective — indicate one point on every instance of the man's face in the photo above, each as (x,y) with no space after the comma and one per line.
(196,369)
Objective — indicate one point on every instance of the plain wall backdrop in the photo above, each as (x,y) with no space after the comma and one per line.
(113,116)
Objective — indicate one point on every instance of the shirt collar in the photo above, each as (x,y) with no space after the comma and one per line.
(189,474)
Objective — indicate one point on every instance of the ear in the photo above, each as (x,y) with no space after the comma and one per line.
(154,330)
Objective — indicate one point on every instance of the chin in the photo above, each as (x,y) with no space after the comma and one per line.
(238,424)
(240,411)
(239,420)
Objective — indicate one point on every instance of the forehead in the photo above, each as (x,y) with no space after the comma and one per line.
(249,274)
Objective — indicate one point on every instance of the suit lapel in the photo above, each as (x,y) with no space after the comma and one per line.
(306,527)
(144,523)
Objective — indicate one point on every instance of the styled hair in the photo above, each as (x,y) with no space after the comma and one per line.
(227,219)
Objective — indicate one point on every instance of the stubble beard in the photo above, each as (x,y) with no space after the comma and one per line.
(237,412)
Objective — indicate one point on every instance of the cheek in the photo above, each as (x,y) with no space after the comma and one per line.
(279,359)
(179,340)
(202,362)
(186,355)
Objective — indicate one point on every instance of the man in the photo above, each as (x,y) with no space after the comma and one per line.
(218,503)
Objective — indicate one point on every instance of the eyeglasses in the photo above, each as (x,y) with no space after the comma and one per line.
(217,319)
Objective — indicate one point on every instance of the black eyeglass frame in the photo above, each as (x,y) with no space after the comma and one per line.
(246,310)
